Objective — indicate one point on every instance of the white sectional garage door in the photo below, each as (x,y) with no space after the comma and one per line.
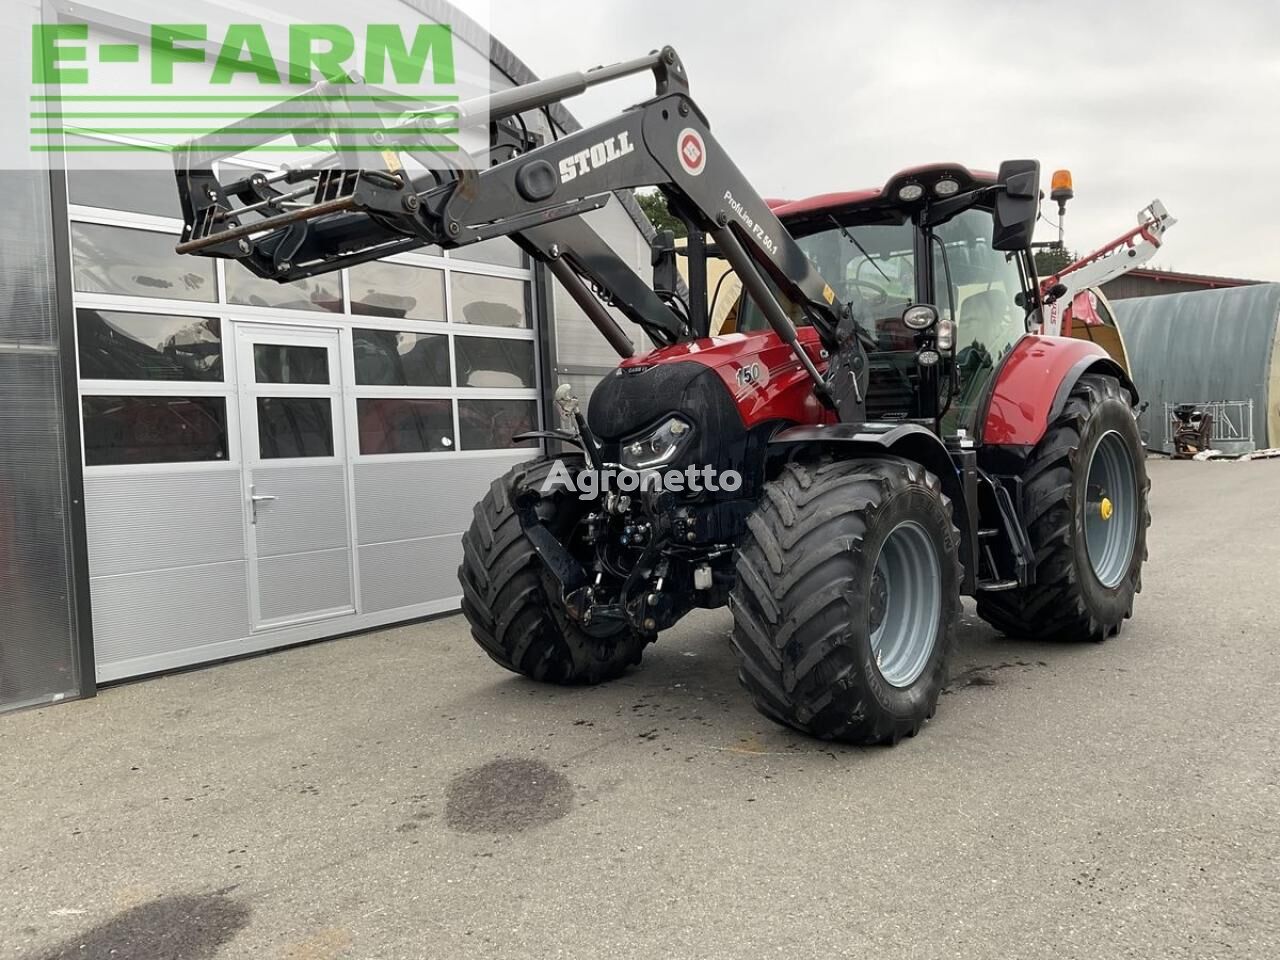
(268,464)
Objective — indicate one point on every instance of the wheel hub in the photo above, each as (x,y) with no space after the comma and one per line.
(904,603)
(1111,509)
(879,599)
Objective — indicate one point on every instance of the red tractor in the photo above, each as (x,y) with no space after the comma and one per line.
(898,435)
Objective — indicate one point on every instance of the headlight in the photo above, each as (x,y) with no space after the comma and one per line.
(910,192)
(657,447)
(946,187)
(920,316)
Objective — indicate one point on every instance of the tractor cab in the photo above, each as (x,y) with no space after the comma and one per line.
(930,236)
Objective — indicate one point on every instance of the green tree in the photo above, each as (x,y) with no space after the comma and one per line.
(1050,260)
(654,205)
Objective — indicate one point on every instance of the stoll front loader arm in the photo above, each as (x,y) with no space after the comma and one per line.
(337,214)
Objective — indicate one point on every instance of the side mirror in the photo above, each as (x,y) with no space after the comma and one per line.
(1017,204)
(662,256)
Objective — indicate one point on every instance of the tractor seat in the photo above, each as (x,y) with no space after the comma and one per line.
(985,308)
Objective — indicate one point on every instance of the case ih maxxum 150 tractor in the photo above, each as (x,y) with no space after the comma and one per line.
(901,437)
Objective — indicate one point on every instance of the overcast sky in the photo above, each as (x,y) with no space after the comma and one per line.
(1139,100)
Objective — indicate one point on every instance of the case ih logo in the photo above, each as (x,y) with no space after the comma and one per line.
(691,151)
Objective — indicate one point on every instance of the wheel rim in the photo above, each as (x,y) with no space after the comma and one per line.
(905,601)
(1111,509)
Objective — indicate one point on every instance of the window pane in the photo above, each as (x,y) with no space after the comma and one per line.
(495,301)
(139,191)
(148,346)
(295,427)
(280,363)
(397,290)
(982,285)
(500,251)
(393,358)
(154,429)
(490,424)
(138,263)
(312,293)
(492,362)
(399,425)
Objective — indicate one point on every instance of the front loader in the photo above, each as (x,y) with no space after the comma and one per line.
(900,438)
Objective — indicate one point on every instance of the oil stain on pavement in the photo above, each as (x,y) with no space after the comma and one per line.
(183,927)
(506,796)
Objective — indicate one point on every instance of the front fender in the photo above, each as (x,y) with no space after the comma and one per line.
(956,472)
(1033,383)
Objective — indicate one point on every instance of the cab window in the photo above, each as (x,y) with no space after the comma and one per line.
(979,288)
(872,268)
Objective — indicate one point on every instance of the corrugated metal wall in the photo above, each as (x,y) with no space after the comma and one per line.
(1209,345)
(38,641)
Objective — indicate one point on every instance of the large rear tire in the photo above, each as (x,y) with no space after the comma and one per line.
(511,601)
(1085,492)
(847,597)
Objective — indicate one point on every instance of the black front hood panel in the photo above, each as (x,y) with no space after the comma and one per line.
(626,402)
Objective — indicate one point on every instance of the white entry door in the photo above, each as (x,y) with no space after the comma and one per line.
(295,474)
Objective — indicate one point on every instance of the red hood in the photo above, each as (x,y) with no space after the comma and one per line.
(729,349)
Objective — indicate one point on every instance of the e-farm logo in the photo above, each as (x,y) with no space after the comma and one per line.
(316,51)
(161,86)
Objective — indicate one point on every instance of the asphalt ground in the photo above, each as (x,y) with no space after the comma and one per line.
(396,795)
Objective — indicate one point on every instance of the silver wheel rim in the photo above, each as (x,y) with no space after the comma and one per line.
(905,603)
(1111,509)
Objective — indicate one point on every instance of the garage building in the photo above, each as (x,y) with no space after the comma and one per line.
(197,464)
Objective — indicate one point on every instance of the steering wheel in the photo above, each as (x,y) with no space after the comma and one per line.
(880,295)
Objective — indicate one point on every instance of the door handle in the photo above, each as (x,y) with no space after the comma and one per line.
(255,499)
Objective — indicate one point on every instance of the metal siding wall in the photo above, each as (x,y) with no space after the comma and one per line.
(167,612)
(1209,345)
(167,564)
(139,524)
(38,632)
(583,356)
(410,517)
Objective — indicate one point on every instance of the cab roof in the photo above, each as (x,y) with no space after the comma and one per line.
(828,204)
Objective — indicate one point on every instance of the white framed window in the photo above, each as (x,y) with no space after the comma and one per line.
(442,356)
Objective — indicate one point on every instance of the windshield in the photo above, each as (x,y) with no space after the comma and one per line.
(871,267)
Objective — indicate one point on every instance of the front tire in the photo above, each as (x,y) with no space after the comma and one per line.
(511,601)
(847,597)
(1085,488)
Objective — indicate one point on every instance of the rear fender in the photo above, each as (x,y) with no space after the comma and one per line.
(1033,383)
(908,441)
